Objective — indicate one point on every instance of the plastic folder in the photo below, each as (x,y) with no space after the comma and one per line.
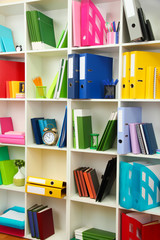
(46,182)
(46,191)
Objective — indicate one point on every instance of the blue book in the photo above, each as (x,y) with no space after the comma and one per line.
(36,130)
(150,137)
(62,142)
(94,70)
(35,220)
(126,115)
(30,219)
(73,76)
(6,40)
(44,122)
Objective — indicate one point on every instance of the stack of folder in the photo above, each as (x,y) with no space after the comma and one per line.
(143,226)
(141,75)
(87,182)
(86,233)
(139,28)
(46,187)
(139,185)
(41,223)
(86,75)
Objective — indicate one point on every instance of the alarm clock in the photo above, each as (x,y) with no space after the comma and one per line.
(50,135)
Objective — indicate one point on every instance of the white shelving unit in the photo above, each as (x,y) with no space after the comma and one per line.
(51,162)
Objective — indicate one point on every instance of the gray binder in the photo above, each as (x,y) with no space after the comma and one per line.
(130,8)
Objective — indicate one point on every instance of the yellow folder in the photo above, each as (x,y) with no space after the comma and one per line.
(46,182)
(45,191)
(139,61)
(125,93)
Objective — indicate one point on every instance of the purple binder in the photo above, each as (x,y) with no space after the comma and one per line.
(134,138)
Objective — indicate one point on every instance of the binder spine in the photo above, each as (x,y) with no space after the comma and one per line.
(73,76)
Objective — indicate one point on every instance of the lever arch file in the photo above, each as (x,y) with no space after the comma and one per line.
(46,182)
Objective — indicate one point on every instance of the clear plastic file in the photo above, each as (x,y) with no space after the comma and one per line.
(139,185)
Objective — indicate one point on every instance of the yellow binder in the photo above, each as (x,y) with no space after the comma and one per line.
(149,82)
(125,93)
(46,182)
(138,66)
(45,191)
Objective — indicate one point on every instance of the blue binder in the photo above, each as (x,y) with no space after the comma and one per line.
(6,40)
(73,76)
(62,142)
(94,70)
(126,115)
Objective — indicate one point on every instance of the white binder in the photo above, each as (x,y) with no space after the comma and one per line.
(134,27)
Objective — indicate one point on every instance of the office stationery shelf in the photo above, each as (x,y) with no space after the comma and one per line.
(109,201)
(59,214)
(12,187)
(88,216)
(154,156)
(99,48)
(154,211)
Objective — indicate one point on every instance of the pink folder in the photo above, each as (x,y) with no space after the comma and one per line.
(93,30)
(134,138)
(76,23)
(12,139)
(6,124)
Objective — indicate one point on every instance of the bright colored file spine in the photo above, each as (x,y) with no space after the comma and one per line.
(76,20)
(126,75)
(134,138)
(73,76)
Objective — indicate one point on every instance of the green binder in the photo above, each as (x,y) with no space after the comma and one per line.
(111,135)
(4,155)
(101,143)
(98,234)
(8,170)
(73,129)
(63,91)
(84,124)
(46,28)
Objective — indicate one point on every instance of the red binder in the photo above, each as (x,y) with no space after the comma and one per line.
(135,230)
(9,71)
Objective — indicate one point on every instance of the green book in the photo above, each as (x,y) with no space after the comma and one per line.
(98,234)
(63,87)
(73,129)
(51,90)
(4,155)
(46,28)
(84,124)
(111,136)
(8,170)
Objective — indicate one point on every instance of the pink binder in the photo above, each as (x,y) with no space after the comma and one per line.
(93,30)
(134,138)
(76,23)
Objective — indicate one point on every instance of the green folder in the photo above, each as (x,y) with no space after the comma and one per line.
(4,155)
(84,124)
(111,135)
(98,234)
(101,143)
(46,28)
(51,90)
(63,91)
(29,23)
(60,39)
(64,42)
(8,170)
(73,127)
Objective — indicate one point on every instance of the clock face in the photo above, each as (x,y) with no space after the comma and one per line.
(49,138)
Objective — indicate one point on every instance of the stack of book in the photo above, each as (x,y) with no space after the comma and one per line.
(41,31)
(143,226)
(58,89)
(93,233)
(41,223)
(46,187)
(87,182)
(141,79)
(139,185)
(90,29)
(15,89)
(139,28)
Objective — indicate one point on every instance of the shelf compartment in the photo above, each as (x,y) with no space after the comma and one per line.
(98,217)
(46,163)
(51,110)
(44,66)
(59,214)
(99,164)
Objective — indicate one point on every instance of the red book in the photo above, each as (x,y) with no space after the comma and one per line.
(88,182)
(12,231)
(80,181)
(93,179)
(10,71)
(6,125)
(83,181)
(45,223)
(77,182)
